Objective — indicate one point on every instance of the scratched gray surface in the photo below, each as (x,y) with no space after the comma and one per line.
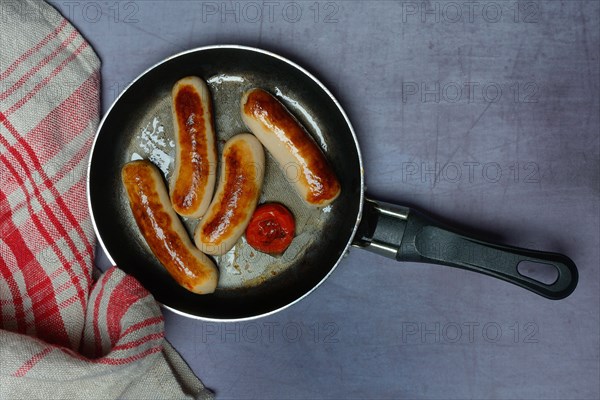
(483,113)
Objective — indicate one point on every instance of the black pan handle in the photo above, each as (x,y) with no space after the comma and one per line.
(404,234)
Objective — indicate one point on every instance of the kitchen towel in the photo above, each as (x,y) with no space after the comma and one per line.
(64,332)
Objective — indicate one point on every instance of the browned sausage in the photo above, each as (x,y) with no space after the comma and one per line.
(193,180)
(163,231)
(243,163)
(291,145)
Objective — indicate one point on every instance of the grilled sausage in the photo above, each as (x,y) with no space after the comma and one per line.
(163,230)
(237,194)
(291,145)
(193,180)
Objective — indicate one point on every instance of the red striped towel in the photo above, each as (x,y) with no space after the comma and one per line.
(62,333)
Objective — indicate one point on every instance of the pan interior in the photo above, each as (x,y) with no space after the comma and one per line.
(139,126)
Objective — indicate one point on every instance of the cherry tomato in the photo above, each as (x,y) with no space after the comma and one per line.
(271,228)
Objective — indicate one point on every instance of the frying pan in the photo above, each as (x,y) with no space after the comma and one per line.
(252,284)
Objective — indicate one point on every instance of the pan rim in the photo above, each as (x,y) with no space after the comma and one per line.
(307,74)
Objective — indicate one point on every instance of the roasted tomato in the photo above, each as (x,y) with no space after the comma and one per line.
(271,228)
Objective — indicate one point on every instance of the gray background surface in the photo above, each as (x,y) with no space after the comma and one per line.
(485,113)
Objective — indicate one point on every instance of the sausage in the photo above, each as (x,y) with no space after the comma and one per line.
(163,231)
(193,181)
(291,146)
(240,184)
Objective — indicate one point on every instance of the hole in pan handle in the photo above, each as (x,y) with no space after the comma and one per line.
(404,234)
